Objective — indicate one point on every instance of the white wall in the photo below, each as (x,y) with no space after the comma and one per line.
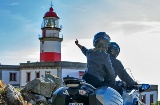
(33,72)
(71,73)
(52,33)
(6,77)
(51,46)
(155,96)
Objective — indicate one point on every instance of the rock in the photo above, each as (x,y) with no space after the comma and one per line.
(35,92)
(57,80)
(2,85)
(13,96)
(3,99)
(35,99)
(41,99)
(43,86)
(29,97)
(32,102)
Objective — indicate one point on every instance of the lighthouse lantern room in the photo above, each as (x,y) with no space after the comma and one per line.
(50,42)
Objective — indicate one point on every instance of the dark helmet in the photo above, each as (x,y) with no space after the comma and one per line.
(114,49)
(101,40)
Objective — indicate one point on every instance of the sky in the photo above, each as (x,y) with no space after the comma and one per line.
(133,24)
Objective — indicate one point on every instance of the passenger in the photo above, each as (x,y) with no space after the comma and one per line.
(114,51)
(99,70)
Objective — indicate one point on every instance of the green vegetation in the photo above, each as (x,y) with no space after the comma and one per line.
(2,91)
(157,103)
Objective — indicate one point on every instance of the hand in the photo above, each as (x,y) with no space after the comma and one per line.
(76,42)
(135,83)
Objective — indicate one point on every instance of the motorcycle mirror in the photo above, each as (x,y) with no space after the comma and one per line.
(144,87)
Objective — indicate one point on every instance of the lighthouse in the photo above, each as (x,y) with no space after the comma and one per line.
(50,41)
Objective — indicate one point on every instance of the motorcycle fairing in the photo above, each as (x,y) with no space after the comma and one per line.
(59,96)
(109,96)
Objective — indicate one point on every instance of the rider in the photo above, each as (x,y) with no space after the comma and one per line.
(114,51)
(99,65)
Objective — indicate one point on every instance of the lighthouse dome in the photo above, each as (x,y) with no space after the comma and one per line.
(51,13)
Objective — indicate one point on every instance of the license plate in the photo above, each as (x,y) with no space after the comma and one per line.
(75,103)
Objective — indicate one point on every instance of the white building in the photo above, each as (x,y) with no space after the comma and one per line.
(10,74)
(19,75)
(30,71)
(150,96)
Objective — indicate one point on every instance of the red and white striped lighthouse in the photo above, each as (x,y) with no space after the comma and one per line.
(50,42)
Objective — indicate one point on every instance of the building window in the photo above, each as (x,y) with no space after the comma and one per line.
(143,98)
(151,98)
(81,73)
(47,72)
(28,77)
(37,74)
(12,77)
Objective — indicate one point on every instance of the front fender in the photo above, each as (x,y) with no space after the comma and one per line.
(135,101)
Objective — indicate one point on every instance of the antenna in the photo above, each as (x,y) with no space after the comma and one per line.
(51,3)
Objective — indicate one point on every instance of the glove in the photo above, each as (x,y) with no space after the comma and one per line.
(76,42)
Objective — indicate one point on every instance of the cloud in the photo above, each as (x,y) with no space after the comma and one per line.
(132,27)
(13,4)
(128,17)
(19,17)
(20,56)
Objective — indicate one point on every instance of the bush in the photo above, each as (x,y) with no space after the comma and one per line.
(157,103)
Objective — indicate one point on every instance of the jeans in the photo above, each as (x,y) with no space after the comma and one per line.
(94,81)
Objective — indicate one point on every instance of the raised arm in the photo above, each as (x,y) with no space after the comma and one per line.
(77,43)
(83,49)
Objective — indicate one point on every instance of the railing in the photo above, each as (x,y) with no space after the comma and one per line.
(51,35)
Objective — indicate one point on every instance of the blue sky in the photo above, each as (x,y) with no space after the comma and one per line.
(134,25)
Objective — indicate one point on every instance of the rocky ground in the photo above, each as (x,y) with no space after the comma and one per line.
(3,99)
(36,92)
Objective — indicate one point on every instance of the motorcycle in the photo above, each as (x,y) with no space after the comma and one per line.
(131,94)
(78,92)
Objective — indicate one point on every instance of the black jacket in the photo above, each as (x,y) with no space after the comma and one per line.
(121,72)
(99,65)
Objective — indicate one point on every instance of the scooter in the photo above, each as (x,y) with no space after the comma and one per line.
(78,92)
